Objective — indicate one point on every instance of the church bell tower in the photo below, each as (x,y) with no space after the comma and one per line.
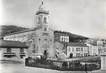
(42,15)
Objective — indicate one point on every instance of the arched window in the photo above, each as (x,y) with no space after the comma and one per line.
(39,20)
(45,20)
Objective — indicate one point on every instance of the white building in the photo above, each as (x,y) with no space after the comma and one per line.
(77,50)
(95,48)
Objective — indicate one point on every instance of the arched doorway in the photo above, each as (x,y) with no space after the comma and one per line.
(71,55)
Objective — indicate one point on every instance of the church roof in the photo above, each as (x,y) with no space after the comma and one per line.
(12,44)
(41,9)
(42,12)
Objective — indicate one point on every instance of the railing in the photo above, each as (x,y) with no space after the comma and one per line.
(22,54)
(9,53)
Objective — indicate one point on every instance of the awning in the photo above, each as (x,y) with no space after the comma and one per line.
(12,44)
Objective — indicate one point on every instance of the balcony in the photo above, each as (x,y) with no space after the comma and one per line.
(10,54)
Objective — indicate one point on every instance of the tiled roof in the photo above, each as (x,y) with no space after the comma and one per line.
(12,44)
(77,44)
(70,34)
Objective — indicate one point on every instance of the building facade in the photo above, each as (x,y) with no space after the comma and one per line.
(77,50)
(96,46)
(11,49)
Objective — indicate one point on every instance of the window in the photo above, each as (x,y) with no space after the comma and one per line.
(45,34)
(77,54)
(45,20)
(33,51)
(21,50)
(61,38)
(81,49)
(39,39)
(39,20)
(8,50)
(77,49)
(64,38)
(85,54)
(45,29)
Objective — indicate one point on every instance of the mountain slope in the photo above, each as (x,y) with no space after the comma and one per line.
(7,29)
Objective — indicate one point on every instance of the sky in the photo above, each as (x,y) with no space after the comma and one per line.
(83,17)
